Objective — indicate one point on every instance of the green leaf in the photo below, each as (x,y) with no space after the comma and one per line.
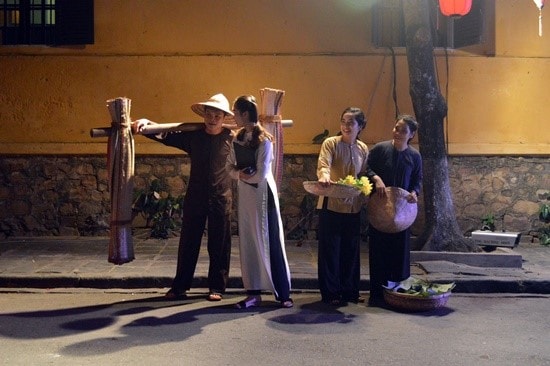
(417,287)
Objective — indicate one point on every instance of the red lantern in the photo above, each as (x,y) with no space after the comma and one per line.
(455,8)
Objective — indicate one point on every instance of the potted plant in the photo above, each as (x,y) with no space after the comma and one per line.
(488,222)
(544,231)
(160,209)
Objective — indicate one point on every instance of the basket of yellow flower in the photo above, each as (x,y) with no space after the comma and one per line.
(348,187)
(363,184)
(332,190)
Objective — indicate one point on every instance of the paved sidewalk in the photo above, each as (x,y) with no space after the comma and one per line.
(57,262)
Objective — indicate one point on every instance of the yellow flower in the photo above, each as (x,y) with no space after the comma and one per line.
(366,186)
(363,183)
(349,180)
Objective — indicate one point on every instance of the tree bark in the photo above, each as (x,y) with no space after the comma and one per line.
(441,231)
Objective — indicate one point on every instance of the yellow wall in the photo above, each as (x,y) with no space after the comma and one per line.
(167,54)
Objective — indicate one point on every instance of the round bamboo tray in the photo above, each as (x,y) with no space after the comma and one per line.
(414,303)
(333,190)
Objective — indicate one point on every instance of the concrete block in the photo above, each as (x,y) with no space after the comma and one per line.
(485,238)
(500,257)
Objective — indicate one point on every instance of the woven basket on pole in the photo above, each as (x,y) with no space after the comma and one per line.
(120,165)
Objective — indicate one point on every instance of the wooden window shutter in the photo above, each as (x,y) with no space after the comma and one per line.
(74,22)
(468,30)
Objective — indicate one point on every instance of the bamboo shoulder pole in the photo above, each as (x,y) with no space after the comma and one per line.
(171,127)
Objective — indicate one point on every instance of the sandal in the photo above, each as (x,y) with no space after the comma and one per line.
(175,295)
(249,302)
(214,296)
(335,302)
(287,303)
(355,300)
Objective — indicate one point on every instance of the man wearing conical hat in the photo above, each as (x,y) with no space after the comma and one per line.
(208,197)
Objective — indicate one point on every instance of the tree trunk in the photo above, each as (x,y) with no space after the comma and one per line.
(441,231)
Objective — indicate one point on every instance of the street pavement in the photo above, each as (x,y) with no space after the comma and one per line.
(137,327)
(63,303)
(81,262)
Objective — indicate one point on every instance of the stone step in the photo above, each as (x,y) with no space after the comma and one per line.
(500,257)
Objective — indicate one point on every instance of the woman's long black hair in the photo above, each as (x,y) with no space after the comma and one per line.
(247,103)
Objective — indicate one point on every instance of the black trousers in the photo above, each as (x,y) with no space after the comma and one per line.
(219,250)
(339,255)
(389,259)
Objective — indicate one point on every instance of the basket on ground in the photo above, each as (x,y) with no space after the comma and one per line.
(415,303)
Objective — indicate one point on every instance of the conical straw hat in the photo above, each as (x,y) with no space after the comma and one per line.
(392,213)
(218,101)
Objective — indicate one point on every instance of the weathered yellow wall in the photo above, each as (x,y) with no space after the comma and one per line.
(167,54)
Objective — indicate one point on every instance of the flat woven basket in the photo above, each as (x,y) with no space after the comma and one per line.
(333,190)
(414,303)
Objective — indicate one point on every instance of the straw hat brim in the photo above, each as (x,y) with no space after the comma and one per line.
(391,214)
(218,101)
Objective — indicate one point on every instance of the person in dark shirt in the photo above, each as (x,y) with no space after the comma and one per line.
(208,197)
(393,163)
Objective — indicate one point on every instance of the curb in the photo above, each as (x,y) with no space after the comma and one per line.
(472,286)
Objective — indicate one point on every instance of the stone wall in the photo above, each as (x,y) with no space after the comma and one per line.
(61,195)
(510,188)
